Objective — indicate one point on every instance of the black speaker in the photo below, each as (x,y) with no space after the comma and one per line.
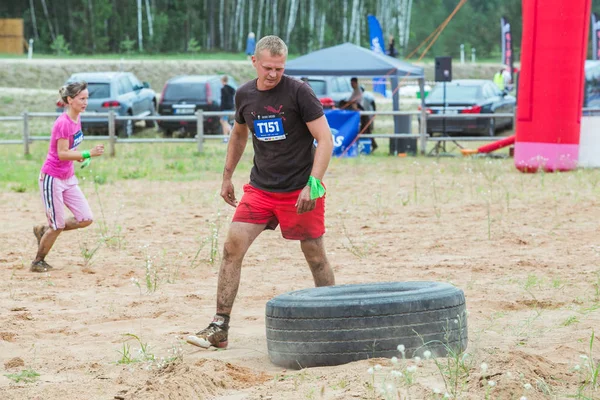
(443,69)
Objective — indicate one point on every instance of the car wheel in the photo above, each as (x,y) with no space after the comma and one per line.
(339,324)
(126,130)
(151,123)
(491,132)
(167,133)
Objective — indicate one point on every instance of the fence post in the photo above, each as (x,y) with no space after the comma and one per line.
(200,130)
(112,138)
(473,51)
(423,125)
(462,53)
(25,132)
(30,50)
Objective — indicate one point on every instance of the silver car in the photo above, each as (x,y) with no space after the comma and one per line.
(121,92)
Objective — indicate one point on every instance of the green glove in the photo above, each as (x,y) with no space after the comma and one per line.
(86,162)
(316,188)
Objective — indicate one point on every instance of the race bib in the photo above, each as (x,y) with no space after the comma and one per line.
(77,139)
(269,130)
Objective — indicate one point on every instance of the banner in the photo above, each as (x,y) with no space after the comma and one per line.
(377,45)
(344,126)
(595,36)
(507,47)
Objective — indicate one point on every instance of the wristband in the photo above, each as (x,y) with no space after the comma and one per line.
(85,154)
(316,188)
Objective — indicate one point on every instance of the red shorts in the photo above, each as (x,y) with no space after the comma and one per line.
(261,207)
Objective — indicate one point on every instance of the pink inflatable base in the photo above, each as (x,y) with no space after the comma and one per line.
(550,157)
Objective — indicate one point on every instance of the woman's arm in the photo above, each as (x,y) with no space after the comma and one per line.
(64,154)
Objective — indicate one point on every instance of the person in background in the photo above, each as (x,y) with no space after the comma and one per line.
(250,45)
(507,78)
(392,52)
(499,79)
(356,98)
(356,103)
(59,186)
(227,95)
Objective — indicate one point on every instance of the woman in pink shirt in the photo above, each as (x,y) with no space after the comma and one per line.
(58,183)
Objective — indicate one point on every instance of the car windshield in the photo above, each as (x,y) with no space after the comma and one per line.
(99,90)
(318,87)
(454,93)
(185,92)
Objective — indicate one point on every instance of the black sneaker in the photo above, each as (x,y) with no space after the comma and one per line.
(214,335)
(40,266)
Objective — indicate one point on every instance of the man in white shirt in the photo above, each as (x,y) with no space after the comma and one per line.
(506,76)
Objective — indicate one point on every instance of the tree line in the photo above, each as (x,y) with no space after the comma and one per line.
(178,26)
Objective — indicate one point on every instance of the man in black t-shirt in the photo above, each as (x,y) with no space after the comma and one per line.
(227,93)
(285,118)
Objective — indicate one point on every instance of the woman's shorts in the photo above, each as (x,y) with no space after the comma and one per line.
(58,193)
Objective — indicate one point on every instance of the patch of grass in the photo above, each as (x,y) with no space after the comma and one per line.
(570,321)
(27,376)
(144,353)
(589,374)
(18,188)
(132,161)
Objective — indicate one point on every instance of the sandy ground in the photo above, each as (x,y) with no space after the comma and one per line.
(524,248)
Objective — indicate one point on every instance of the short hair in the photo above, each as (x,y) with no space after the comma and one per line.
(355,79)
(274,44)
(224,79)
(71,90)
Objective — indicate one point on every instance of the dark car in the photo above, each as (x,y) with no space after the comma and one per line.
(121,92)
(469,96)
(184,95)
(338,89)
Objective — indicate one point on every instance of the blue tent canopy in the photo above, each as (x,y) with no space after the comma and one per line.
(350,60)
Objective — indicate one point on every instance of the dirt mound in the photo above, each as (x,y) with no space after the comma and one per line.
(514,370)
(204,378)
(15,362)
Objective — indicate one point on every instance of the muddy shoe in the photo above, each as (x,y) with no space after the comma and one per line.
(215,335)
(40,266)
(38,232)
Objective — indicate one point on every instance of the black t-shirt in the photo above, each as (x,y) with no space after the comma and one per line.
(283,145)
(227,93)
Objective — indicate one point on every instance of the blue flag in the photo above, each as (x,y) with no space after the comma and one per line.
(344,126)
(377,45)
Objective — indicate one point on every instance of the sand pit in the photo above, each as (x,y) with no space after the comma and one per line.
(524,248)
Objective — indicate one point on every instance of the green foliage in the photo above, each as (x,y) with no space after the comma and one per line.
(193,46)
(60,46)
(27,376)
(100,26)
(127,45)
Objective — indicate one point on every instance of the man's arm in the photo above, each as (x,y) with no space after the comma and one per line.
(237,144)
(319,129)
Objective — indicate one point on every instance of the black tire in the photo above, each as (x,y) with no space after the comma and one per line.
(126,129)
(151,123)
(167,133)
(340,324)
(491,131)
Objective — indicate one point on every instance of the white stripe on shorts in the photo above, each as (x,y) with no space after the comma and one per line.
(49,200)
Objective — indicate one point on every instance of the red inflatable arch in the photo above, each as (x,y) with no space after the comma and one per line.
(553,53)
